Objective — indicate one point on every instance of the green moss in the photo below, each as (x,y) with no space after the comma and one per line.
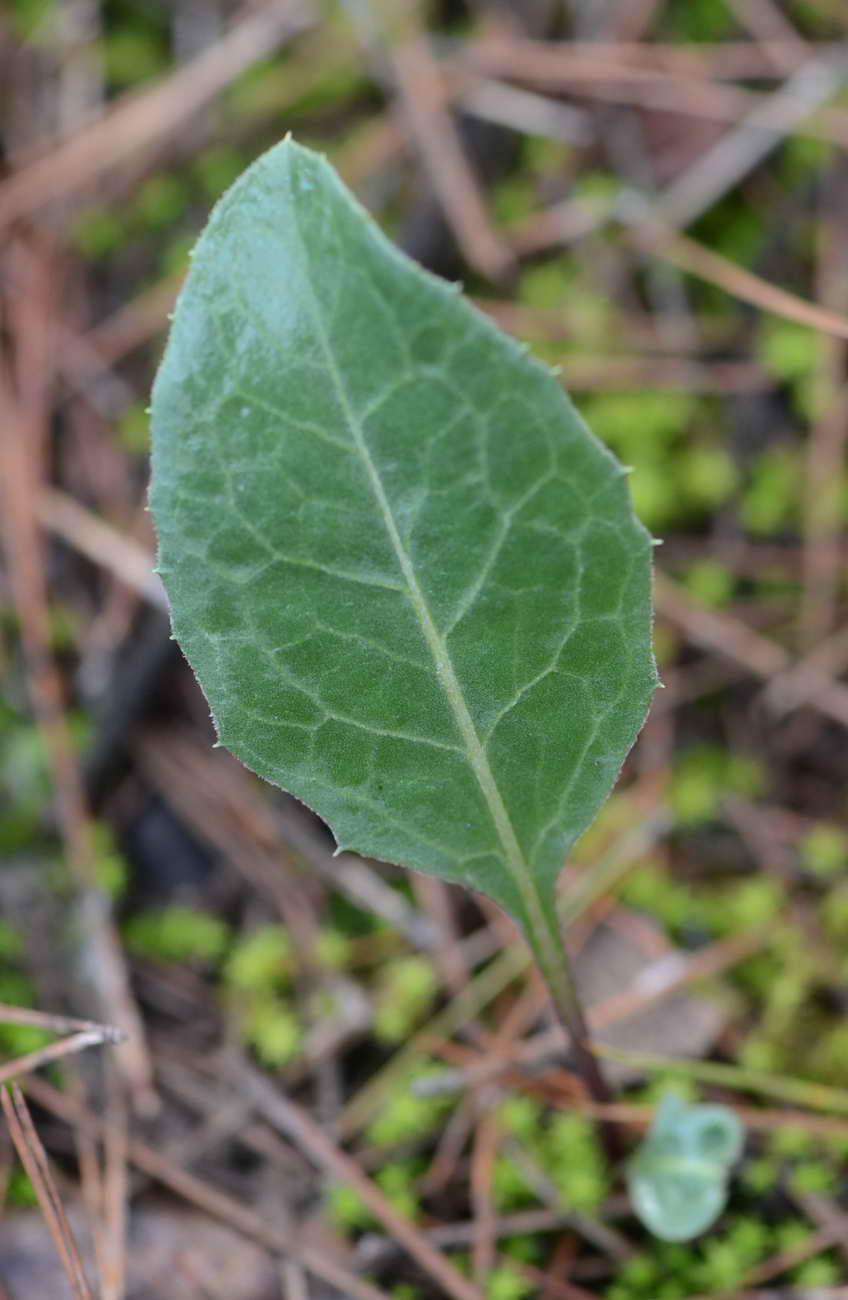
(704,775)
(822,1271)
(271,1029)
(697,785)
(824,850)
(791,1234)
(507,1283)
(398,1182)
(641,1271)
(734,227)
(635,424)
(575,1162)
(513,199)
(178,934)
(829,1060)
(752,903)
(20,1192)
(522,1117)
(652,1093)
(162,200)
(216,168)
(406,1115)
(132,55)
(834,912)
(710,583)
(258,92)
(332,949)
(760,1175)
(346,1209)
(697,20)
(134,428)
(708,477)
(813,1176)
(510,1189)
(406,990)
(598,186)
(176,253)
(651,888)
(526,1249)
(788,1141)
(542,155)
(789,351)
(31,18)
(11,946)
(759,1054)
(771,499)
(260,962)
(110,866)
(823,19)
(16,990)
(801,157)
(679,470)
(98,233)
(720,1266)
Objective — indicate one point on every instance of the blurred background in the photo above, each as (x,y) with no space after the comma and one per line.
(339,1080)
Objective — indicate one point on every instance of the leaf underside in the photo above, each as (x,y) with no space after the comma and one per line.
(406,575)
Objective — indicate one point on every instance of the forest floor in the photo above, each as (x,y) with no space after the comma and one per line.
(337,1079)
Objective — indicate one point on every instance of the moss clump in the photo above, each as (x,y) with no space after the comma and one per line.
(178,934)
(406,990)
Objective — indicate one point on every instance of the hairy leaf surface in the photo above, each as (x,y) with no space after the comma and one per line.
(405,573)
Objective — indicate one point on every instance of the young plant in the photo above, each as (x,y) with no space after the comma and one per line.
(678,1177)
(406,574)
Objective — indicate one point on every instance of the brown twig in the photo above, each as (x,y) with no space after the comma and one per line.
(298,1125)
(34,1160)
(734,155)
(810,676)
(484,1152)
(57,1051)
(558,68)
(773,32)
(417,78)
(237,1216)
(653,235)
(715,630)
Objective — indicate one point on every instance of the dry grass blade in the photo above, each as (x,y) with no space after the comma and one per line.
(57,1024)
(771,29)
(723,166)
(565,69)
(418,79)
(128,560)
(56,1051)
(34,1160)
(655,237)
(810,676)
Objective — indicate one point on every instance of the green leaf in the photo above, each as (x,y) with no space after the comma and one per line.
(678,1177)
(406,574)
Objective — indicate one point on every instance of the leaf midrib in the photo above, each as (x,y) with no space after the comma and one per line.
(513,856)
